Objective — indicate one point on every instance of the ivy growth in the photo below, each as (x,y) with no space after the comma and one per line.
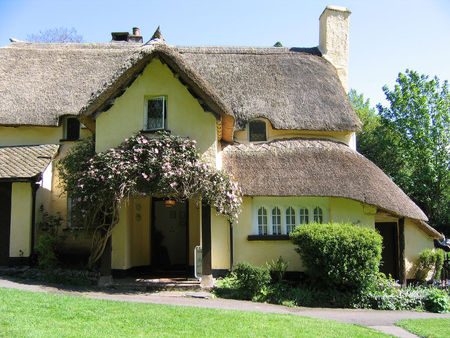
(167,165)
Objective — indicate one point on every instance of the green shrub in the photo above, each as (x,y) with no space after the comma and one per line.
(46,244)
(428,261)
(46,250)
(425,263)
(439,264)
(339,256)
(436,301)
(277,269)
(251,280)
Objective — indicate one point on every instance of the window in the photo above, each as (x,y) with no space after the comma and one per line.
(304,216)
(257,131)
(156,113)
(290,219)
(71,129)
(318,215)
(276,221)
(262,221)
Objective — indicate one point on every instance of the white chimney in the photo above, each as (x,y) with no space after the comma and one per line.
(334,39)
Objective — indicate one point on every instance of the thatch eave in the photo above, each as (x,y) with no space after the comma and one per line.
(310,167)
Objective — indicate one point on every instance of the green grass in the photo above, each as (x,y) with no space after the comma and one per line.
(433,327)
(30,314)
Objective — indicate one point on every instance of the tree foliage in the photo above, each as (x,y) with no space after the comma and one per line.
(409,140)
(169,166)
(56,35)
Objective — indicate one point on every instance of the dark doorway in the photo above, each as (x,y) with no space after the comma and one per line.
(5,221)
(389,255)
(169,233)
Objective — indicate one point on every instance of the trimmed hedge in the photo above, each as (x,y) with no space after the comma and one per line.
(340,256)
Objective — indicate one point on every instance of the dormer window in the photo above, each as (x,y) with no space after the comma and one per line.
(156,113)
(71,129)
(257,131)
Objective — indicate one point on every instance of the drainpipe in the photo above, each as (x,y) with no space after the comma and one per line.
(231,246)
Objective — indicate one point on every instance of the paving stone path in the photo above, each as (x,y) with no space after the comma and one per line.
(383,321)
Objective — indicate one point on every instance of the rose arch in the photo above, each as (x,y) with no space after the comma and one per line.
(166,165)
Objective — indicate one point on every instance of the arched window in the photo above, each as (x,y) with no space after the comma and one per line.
(318,215)
(276,221)
(304,216)
(290,219)
(262,221)
(257,131)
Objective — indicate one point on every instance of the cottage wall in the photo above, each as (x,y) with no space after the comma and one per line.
(415,242)
(21,216)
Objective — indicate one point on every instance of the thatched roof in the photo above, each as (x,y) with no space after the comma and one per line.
(25,162)
(304,167)
(40,82)
(293,88)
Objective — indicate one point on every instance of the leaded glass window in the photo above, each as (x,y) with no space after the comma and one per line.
(276,221)
(304,216)
(156,113)
(262,221)
(318,215)
(290,219)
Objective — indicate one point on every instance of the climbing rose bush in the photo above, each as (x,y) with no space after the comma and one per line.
(166,165)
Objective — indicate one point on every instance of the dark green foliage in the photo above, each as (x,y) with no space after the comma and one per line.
(46,244)
(439,264)
(429,260)
(251,280)
(46,250)
(277,269)
(409,140)
(278,44)
(437,301)
(339,256)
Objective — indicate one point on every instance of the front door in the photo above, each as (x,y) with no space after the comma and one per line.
(5,221)
(169,236)
(389,255)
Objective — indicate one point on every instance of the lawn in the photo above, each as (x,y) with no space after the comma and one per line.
(433,327)
(30,314)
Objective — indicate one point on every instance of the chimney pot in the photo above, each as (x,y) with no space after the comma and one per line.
(136,31)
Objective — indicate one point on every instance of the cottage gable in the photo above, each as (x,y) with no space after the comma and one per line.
(183,113)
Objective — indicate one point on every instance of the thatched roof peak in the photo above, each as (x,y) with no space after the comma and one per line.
(157,36)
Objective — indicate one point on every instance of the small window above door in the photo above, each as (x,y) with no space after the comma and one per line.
(257,131)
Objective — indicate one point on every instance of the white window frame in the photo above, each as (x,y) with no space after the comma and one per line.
(283,203)
(289,225)
(303,215)
(318,214)
(164,117)
(262,228)
(273,224)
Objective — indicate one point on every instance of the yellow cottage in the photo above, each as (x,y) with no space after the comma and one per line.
(277,118)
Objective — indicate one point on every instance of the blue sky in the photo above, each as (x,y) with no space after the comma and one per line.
(386,37)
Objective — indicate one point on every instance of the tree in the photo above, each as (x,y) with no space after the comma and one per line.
(59,34)
(375,141)
(418,119)
(278,44)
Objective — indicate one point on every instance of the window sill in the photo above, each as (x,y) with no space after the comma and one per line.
(153,131)
(67,140)
(268,238)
